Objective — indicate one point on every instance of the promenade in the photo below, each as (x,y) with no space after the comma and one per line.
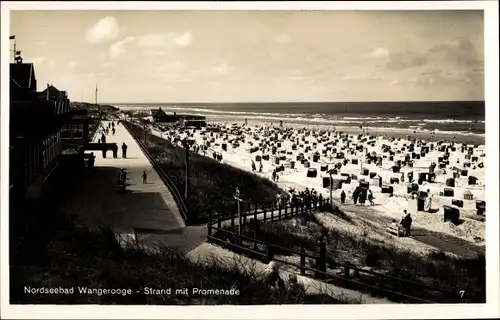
(148,214)
(145,211)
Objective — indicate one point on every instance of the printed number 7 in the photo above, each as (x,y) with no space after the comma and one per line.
(462,293)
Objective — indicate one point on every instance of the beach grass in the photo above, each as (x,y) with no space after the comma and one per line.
(79,258)
(211,183)
(361,249)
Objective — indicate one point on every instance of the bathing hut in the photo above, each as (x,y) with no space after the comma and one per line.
(336,184)
(451,214)
(457,202)
(394,180)
(413,187)
(364,184)
(346,177)
(450,182)
(376,181)
(326,181)
(480,207)
(387,189)
(448,192)
(472,180)
(468,195)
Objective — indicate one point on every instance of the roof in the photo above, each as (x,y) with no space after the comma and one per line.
(53,92)
(157,112)
(22,75)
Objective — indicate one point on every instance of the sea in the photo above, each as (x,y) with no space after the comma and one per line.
(462,117)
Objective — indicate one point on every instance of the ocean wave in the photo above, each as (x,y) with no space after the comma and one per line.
(298,116)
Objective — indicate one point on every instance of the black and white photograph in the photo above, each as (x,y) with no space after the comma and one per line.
(229,154)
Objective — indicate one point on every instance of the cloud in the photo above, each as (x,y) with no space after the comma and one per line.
(354,77)
(105,30)
(118,48)
(283,38)
(164,40)
(223,68)
(457,51)
(379,53)
(456,54)
(435,78)
(405,60)
(184,40)
(71,64)
(36,60)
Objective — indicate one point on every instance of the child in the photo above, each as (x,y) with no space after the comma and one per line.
(144,177)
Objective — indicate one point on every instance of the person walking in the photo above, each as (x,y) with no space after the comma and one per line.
(124,150)
(115,151)
(104,150)
(91,160)
(406,223)
(342,197)
(362,197)
(370,197)
(355,195)
(144,177)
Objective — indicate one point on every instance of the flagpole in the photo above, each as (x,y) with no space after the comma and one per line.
(13,37)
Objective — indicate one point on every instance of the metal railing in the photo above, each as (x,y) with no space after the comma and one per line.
(179,199)
(320,271)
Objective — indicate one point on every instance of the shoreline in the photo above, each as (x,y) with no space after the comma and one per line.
(448,136)
(378,131)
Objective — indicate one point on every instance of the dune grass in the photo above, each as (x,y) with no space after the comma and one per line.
(80,258)
(431,267)
(212,183)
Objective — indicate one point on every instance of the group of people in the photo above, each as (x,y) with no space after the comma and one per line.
(254,167)
(306,197)
(114,148)
(217,156)
(404,225)
(275,175)
(361,195)
(122,177)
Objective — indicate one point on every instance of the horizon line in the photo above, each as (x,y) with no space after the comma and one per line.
(287,102)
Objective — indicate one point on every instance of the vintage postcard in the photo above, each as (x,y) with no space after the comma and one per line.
(267,160)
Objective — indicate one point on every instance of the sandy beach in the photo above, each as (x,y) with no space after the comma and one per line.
(361,157)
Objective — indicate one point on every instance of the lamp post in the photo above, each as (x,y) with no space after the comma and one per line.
(186,148)
(238,200)
(331,186)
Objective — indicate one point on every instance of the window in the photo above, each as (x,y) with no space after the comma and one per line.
(78,134)
(65,134)
(26,167)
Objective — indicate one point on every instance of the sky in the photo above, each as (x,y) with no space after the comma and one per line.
(255,56)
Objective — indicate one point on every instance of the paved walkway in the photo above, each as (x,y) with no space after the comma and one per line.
(145,212)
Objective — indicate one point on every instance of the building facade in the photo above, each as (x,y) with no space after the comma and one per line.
(36,119)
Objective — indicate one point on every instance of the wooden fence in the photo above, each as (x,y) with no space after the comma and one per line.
(268,211)
(224,233)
